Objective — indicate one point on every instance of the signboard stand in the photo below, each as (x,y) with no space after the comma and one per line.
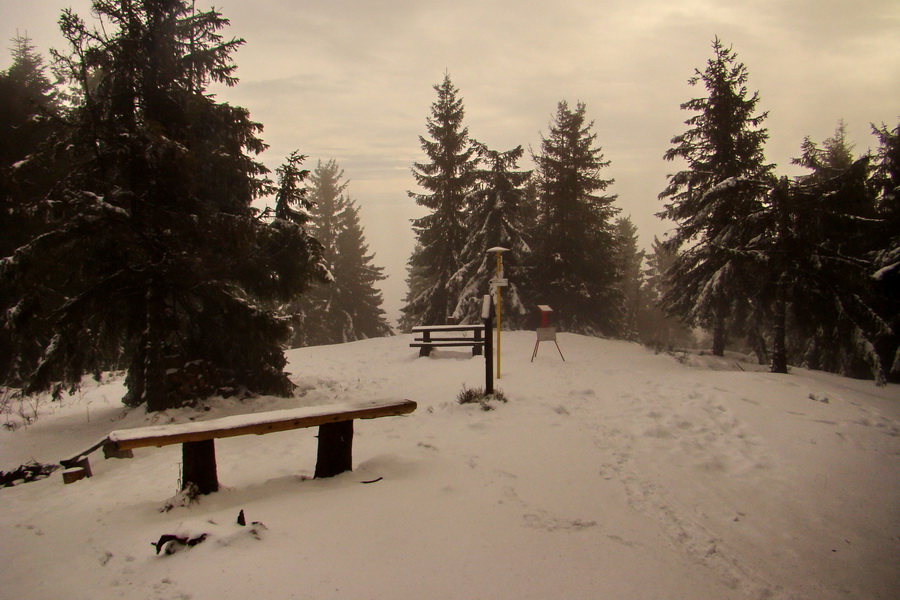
(546,332)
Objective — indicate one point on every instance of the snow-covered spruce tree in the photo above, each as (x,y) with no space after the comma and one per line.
(157,258)
(657,329)
(574,248)
(28,102)
(886,261)
(448,179)
(826,310)
(293,204)
(28,107)
(494,219)
(349,308)
(356,278)
(630,263)
(723,145)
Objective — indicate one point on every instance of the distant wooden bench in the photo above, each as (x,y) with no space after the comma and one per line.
(197,438)
(456,338)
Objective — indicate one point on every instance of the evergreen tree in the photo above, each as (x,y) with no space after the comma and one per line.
(722,148)
(292,201)
(886,262)
(447,179)
(29,109)
(349,308)
(155,257)
(28,101)
(356,278)
(655,327)
(494,219)
(630,263)
(822,226)
(574,268)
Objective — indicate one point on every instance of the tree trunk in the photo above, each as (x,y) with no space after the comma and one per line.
(720,324)
(154,379)
(779,318)
(199,466)
(718,347)
(335,453)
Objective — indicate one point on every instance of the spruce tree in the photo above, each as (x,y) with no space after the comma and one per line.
(448,180)
(709,200)
(630,263)
(656,328)
(573,263)
(356,278)
(494,219)
(823,226)
(886,259)
(349,307)
(29,111)
(156,258)
(28,103)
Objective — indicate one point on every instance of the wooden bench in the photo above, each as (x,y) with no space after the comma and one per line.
(197,438)
(456,338)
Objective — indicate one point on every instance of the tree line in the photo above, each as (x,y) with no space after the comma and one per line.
(799,270)
(129,236)
(557,223)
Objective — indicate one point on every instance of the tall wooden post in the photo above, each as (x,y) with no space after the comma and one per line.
(486,312)
(499,307)
(496,284)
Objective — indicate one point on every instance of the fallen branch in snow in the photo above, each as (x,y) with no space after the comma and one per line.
(31,471)
(190,534)
(173,543)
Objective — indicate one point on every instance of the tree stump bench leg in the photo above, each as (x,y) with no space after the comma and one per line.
(335,454)
(199,466)
(73,474)
(110,451)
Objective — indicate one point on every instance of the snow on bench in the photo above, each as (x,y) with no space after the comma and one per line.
(335,422)
(426,342)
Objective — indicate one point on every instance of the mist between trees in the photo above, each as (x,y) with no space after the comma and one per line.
(129,239)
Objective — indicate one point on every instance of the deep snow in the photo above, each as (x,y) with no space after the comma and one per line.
(616,474)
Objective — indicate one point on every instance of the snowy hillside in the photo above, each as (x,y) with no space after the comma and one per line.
(618,474)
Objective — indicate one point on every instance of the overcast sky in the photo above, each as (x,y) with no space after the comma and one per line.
(352,80)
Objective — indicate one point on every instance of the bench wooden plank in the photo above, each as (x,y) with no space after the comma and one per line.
(433,343)
(422,328)
(76,458)
(462,340)
(256,423)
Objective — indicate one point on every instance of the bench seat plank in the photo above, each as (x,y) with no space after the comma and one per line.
(451,339)
(431,328)
(256,423)
(445,343)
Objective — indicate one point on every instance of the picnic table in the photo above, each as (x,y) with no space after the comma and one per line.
(438,336)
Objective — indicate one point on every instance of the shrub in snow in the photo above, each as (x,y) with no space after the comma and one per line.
(478,396)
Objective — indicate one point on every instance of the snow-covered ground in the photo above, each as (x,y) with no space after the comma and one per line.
(618,474)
